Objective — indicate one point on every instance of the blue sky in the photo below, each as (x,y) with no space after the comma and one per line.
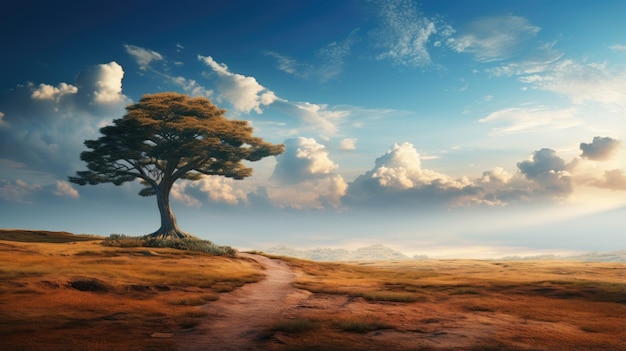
(445,128)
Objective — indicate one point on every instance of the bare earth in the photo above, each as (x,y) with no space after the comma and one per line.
(239,320)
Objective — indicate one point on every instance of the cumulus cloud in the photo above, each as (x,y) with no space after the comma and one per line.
(216,189)
(102,84)
(65,189)
(44,126)
(600,148)
(220,189)
(494,38)
(310,175)
(398,179)
(303,159)
(496,175)
(549,171)
(348,144)
(244,93)
(142,56)
(517,119)
(614,179)
(404,33)
(49,92)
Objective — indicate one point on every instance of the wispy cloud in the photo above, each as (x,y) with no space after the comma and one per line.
(516,120)
(404,33)
(65,189)
(618,47)
(143,57)
(583,82)
(330,60)
(494,38)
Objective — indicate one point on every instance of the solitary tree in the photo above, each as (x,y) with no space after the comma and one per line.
(169,136)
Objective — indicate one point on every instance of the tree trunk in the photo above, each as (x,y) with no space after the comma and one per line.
(169,229)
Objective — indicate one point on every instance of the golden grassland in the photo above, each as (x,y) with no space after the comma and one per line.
(80,295)
(58,293)
(459,305)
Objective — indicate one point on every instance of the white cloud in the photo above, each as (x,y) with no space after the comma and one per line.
(178,193)
(142,56)
(404,33)
(3,123)
(494,38)
(192,87)
(319,116)
(49,92)
(244,93)
(310,174)
(348,144)
(593,82)
(221,189)
(517,120)
(398,180)
(109,84)
(64,188)
(303,159)
(614,179)
(102,85)
(618,47)
(401,168)
(496,175)
(17,191)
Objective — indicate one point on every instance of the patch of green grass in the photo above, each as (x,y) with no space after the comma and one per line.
(362,325)
(297,325)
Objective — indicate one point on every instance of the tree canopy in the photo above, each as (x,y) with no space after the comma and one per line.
(170,136)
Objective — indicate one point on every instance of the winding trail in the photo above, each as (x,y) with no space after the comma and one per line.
(238,320)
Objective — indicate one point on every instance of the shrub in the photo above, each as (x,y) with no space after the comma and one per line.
(121,240)
(189,244)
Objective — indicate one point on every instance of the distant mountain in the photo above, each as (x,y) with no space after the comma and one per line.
(612,256)
(383,253)
(369,253)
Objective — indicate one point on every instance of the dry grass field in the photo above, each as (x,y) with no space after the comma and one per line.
(64,292)
(58,292)
(458,305)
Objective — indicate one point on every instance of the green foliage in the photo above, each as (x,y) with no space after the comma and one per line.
(189,244)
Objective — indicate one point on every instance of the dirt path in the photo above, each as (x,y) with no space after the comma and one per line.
(239,320)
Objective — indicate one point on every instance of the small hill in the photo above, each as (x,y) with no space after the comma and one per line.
(44,236)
